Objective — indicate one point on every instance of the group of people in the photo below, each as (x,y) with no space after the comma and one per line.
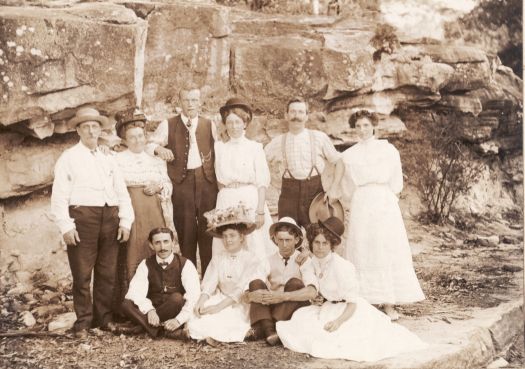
(195,185)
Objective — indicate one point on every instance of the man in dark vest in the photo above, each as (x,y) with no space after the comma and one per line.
(164,289)
(186,143)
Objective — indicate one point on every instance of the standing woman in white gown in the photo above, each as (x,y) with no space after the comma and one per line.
(341,325)
(243,176)
(370,177)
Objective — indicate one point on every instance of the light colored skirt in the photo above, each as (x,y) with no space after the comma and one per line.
(228,325)
(368,335)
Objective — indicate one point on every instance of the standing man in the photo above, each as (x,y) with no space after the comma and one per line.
(303,152)
(92,208)
(186,142)
(288,285)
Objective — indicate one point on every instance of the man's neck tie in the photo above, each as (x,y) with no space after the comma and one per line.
(286,261)
(164,264)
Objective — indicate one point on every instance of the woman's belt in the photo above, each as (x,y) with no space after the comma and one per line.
(239,184)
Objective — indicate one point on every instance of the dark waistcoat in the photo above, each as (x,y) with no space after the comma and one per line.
(179,143)
(165,281)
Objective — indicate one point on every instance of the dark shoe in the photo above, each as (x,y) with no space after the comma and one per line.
(273,339)
(81,334)
(128,328)
(253,334)
(178,334)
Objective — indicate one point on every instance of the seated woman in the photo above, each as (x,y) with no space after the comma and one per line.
(148,185)
(219,313)
(344,326)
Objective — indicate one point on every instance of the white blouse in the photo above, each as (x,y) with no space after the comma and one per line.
(374,162)
(231,273)
(241,161)
(337,278)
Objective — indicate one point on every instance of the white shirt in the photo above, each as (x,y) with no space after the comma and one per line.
(280,273)
(337,278)
(88,178)
(139,285)
(241,161)
(231,273)
(160,138)
(299,152)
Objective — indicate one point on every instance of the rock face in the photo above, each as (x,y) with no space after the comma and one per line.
(120,54)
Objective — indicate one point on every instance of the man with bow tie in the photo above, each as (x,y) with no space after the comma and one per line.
(290,283)
(186,143)
(92,208)
(164,289)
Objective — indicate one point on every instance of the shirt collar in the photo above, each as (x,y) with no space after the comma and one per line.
(185,119)
(85,148)
(292,257)
(168,260)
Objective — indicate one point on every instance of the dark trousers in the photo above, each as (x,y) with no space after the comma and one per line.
(96,253)
(167,308)
(296,197)
(276,312)
(191,199)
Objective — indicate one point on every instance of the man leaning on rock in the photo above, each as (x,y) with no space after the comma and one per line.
(92,208)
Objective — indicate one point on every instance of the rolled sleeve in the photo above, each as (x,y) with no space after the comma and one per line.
(190,281)
(329,151)
(125,213)
(159,137)
(308,274)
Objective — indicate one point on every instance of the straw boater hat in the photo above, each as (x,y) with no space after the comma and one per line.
(320,209)
(235,102)
(239,214)
(128,116)
(87,114)
(333,225)
(289,222)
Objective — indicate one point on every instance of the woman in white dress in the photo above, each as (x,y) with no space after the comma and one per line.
(341,325)
(220,314)
(243,175)
(148,185)
(377,242)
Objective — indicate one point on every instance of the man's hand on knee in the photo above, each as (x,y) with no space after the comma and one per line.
(171,324)
(153,318)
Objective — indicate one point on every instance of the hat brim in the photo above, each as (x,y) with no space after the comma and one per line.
(75,121)
(245,107)
(276,224)
(250,227)
(318,201)
(120,125)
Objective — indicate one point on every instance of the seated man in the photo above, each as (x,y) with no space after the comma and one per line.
(290,285)
(164,289)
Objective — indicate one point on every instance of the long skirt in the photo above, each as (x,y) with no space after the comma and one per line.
(228,325)
(368,335)
(258,242)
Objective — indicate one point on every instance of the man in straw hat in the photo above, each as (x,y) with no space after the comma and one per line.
(303,153)
(186,142)
(92,208)
(289,285)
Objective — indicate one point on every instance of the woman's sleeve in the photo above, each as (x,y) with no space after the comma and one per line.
(219,157)
(396,176)
(210,282)
(165,181)
(262,171)
(348,281)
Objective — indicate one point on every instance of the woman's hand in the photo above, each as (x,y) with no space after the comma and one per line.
(152,188)
(259,220)
(199,306)
(332,326)
(212,309)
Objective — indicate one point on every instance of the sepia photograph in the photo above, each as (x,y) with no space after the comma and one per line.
(291,184)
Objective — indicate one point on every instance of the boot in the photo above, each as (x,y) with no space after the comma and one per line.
(129,308)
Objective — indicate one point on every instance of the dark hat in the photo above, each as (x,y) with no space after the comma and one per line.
(321,209)
(235,102)
(87,114)
(333,225)
(289,222)
(127,116)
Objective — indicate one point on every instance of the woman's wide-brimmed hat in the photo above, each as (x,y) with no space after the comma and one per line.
(88,114)
(239,214)
(289,222)
(125,117)
(333,225)
(235,102)
(321,209)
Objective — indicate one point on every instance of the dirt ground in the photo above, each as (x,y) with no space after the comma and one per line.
(458,270)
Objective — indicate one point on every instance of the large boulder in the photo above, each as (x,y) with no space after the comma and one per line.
(58,59)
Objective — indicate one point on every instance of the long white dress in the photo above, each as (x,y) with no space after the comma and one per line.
(368,335)
(240,165)
(227,275)
(377,242)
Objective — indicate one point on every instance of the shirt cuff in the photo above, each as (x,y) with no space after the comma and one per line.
(125,223)
(183,317)
(66,226)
